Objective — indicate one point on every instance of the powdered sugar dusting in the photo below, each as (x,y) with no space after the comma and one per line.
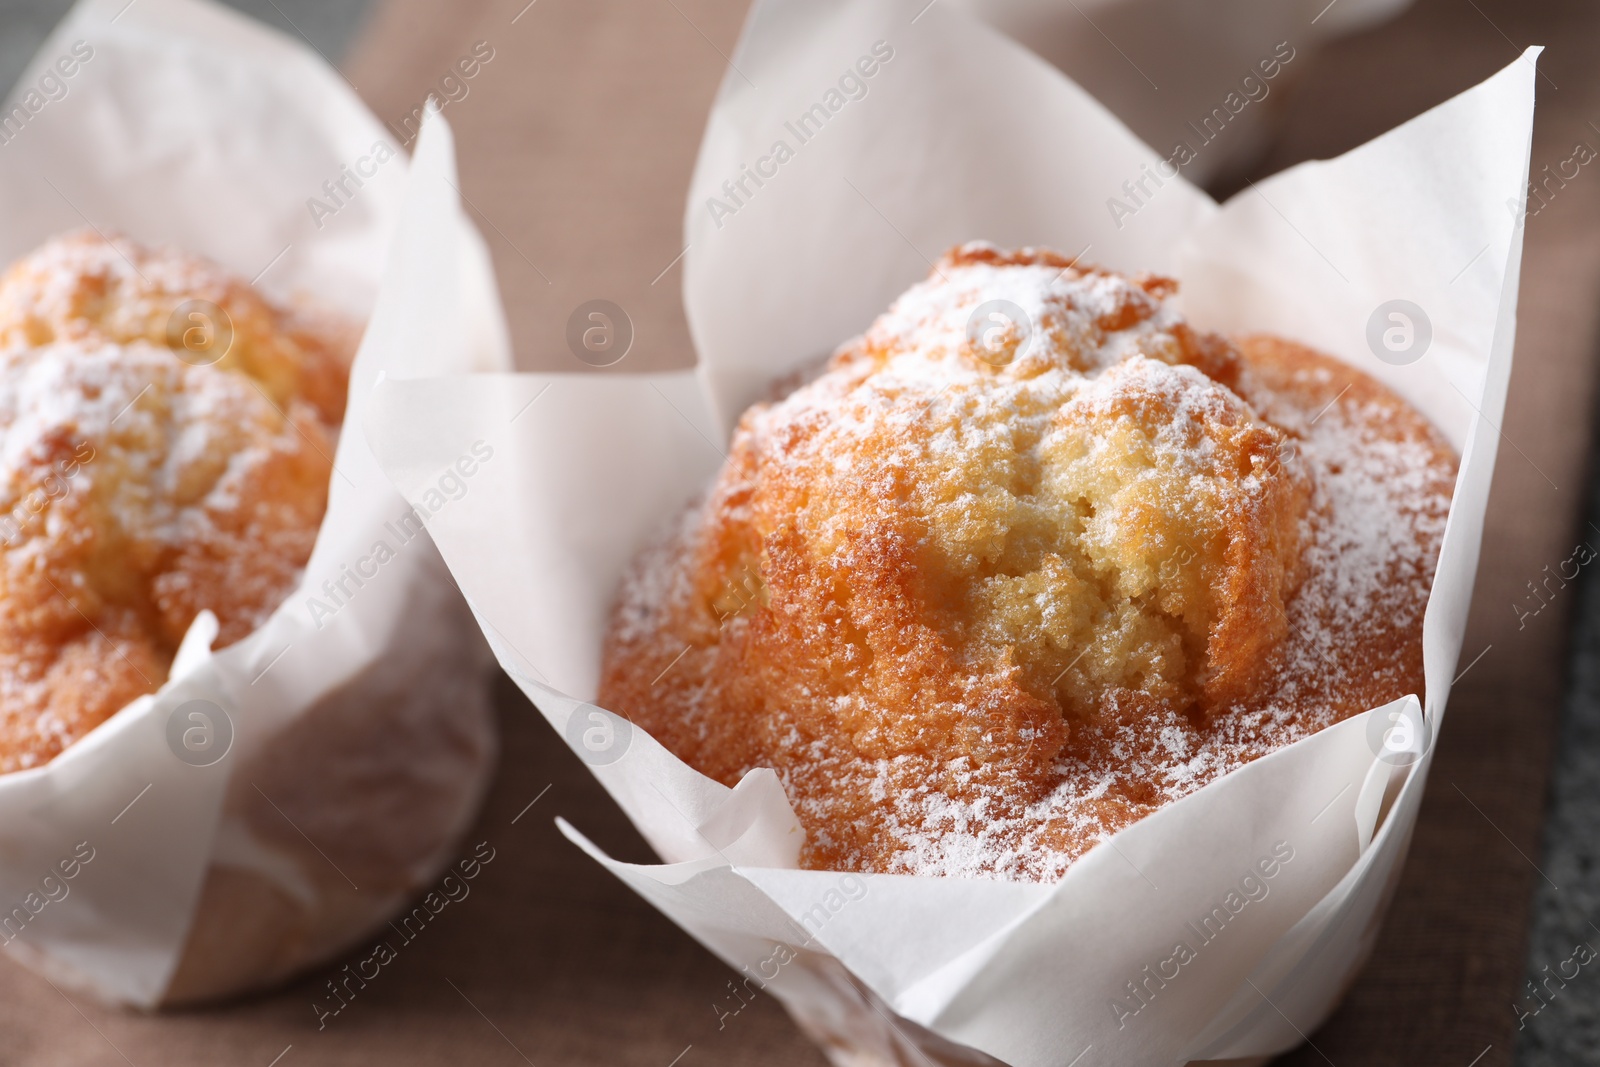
(1372,541)
(1008,607)
(143,480)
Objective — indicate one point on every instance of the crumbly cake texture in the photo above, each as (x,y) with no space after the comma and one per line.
(83,286)
(982,607)
(137,488)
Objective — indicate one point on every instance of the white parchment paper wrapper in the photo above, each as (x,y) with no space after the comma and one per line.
(361,741)
(962,134)
(1163,66)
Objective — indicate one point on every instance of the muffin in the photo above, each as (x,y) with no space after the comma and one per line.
(168,442)
(1030,559)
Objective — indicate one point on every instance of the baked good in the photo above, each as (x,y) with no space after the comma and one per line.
(85,286)
(984,592)
(154,464)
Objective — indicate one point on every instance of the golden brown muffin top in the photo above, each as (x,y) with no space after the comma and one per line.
(984,598)
(138,487)
(82,285)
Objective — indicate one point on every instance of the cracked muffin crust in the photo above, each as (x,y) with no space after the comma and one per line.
(984,597)
(138,486)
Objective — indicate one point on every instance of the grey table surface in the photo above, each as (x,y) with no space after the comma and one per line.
(1559,1016)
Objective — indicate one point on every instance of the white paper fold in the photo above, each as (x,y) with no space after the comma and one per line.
(962,134)
(361,741)
(1161,66)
